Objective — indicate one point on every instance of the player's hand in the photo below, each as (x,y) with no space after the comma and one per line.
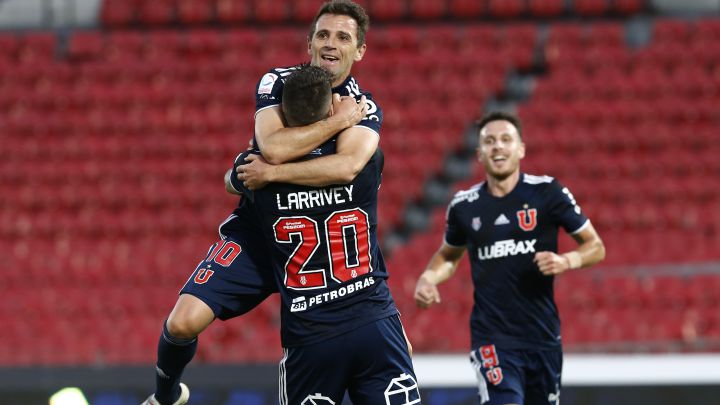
(426,293)
(347,110)
(550,263)
(255,173)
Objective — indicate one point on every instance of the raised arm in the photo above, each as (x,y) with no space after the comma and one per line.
(440,268)
(590,250)
(280,144)
(355,146)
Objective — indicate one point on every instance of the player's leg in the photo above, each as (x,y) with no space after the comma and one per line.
(544,378)
(314,374)
(382,370)
(178,344)
(233,278)
(500,375)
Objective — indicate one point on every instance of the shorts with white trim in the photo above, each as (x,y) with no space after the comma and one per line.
(371,363)
(530,377)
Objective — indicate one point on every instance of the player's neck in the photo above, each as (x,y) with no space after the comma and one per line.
(501,187)
(340,80)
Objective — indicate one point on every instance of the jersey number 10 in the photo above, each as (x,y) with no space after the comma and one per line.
(347,239)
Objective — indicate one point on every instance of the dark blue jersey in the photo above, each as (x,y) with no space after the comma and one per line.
(514,305)
(326,256)
(323,241)
(269,94)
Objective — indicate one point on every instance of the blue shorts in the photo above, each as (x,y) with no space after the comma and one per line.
(530,377)
(371,363)
(236,274)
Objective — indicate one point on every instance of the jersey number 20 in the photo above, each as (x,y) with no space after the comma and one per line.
(347,240)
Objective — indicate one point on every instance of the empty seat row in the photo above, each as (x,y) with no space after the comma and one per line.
(124,13)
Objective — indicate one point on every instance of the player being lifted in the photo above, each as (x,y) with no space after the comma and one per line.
(340,328)
(234,278)
(509,225)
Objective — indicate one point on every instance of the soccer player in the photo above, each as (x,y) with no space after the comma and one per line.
(509,225)
(234,278)
(340,328)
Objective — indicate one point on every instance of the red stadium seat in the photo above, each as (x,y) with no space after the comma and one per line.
(591,7)
(271,12)
(86,46)
(466,8)
(10,45)
(125,45)
(162,46)
(203,45)
(707,28)
(382,10)
(305,10)
(232,11)
(610,35)
(546,8)
(426,9)
(628,7)
(157,13)
(195,11)
(506,8)
(118,13)
(37,48)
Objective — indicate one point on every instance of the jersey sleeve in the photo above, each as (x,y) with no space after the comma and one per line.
(268,92)
(454,233)
(564,210)
(373,119)
(237,184)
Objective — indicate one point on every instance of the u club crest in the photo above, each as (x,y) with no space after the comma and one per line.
(527,219)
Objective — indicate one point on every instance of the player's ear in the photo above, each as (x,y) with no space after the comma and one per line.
(309,49)
(521,152)
(360,53)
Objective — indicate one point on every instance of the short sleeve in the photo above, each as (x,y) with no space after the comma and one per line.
(237,184)
(373,119)
(268,91)
(564,209)
(454,233)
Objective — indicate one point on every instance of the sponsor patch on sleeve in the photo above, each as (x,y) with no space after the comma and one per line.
(266,83)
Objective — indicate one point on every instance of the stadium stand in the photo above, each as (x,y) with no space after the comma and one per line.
(114,142)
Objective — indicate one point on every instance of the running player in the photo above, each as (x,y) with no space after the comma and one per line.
(509,224)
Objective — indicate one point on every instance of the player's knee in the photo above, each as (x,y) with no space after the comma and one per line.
(183,326)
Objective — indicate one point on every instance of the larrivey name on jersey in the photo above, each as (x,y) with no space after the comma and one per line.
(314,198)
(509,247)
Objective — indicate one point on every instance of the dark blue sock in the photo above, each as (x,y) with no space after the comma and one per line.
(173,355)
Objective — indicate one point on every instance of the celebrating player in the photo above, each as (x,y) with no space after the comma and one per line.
(234,277)
(340,328)
(509,224)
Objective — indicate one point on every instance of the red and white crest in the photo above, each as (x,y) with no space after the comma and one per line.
(203,275)
(527,219)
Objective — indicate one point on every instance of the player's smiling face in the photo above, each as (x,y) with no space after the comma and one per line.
(334,45)
(500,149)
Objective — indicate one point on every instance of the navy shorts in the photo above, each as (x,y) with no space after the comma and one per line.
(530,377)
(371,363)
(236,274)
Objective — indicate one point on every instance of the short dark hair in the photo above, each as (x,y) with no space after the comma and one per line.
(307,95)
(500,116)
(348,8)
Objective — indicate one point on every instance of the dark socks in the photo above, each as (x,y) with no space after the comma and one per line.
(173,355)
